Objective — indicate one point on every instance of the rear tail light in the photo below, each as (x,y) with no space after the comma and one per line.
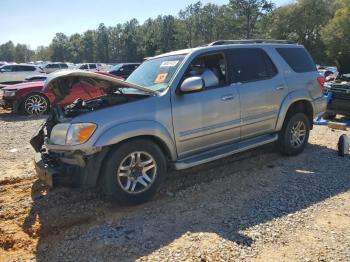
(321,80)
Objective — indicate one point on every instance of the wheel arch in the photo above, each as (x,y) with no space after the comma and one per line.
(293,104)
(149,130)
(96,178)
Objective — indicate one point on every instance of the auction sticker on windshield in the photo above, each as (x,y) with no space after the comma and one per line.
(169,63)
(160,78)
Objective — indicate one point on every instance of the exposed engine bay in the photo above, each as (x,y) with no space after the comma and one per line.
(61,82)
(59,114)
(79,106)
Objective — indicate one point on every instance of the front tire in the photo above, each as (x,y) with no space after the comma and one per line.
(35,104)
(294,135)
(134,171)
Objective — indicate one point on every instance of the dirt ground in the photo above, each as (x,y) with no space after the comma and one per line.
(255,206)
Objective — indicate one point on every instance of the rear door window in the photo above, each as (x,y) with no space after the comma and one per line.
(298,59)
(250,64)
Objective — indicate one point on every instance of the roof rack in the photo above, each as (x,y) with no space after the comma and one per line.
(250,41)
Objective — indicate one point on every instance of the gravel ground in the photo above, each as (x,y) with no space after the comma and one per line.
(255,206)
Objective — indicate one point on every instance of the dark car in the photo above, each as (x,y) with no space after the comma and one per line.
(123,70)
(340,88)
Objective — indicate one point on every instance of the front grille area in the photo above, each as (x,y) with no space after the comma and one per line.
(340,92)
(338,95)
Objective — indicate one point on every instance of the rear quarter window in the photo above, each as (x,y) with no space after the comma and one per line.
(298,59)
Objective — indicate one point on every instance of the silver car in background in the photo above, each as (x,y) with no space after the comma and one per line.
(179,110)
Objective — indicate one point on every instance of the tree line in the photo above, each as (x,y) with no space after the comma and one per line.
(323,26)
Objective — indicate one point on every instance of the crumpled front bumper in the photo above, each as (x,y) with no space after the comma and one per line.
(66,170)
(44,172)
(51,173)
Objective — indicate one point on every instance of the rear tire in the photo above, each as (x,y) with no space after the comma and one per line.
(134,171)
(294,135)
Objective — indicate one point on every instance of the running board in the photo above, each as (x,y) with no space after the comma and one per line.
(224,151)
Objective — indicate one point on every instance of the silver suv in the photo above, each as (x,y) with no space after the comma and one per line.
(178,110)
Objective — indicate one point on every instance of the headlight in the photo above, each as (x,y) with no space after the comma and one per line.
(9,93)
(72,134)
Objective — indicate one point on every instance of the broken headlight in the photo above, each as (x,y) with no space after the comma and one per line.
(71,134)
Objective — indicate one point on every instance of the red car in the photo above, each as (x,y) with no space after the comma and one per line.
(28,97)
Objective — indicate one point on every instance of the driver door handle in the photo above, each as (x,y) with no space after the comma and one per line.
(227,97)
(279,87)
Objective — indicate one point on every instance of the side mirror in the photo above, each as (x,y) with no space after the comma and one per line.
(192,84)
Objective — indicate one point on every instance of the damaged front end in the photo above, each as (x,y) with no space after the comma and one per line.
(55,166)
(340,88)
(60,158)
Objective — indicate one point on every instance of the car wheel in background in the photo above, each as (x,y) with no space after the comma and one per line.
(35,104)
(294,134)
(134,171)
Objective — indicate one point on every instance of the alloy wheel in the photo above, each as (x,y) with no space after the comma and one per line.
(35,105)
(298,134)
(137,172)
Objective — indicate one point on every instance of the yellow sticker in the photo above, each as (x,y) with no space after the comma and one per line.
(160,78)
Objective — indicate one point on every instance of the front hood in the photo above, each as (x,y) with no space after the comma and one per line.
(60,82)
(24,85)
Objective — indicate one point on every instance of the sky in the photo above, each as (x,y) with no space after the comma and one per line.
(36,22)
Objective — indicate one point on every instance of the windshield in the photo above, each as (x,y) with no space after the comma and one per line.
(116,67)
(155,74)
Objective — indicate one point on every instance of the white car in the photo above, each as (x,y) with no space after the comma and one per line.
(15,73)
(89,66)
(52,67)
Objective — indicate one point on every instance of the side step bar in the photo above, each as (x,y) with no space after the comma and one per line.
(224,151)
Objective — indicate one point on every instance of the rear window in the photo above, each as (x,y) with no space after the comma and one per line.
(298,59)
